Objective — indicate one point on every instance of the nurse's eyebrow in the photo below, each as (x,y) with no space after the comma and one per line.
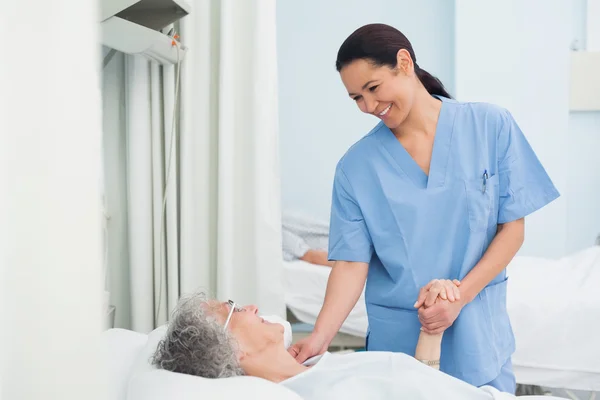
(363,87)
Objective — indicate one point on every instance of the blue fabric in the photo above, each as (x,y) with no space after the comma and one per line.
(506,381)
(412,228)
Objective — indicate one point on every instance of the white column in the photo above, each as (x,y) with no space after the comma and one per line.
(50,206)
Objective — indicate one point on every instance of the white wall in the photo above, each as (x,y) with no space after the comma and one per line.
(516,54)
(579,24)
(115,178)
(318,122)
(506,54)
(512,53)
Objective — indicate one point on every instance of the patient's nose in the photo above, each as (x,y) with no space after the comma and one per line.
(251,309)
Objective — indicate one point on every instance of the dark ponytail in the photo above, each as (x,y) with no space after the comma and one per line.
(433,85)
(379,44)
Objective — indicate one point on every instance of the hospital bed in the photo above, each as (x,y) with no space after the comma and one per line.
(553,306)
(132,377)
(305,286)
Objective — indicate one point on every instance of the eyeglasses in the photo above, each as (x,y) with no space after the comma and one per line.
(232,308)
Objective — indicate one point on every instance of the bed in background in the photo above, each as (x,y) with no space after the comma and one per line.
(553,306)
(305,286)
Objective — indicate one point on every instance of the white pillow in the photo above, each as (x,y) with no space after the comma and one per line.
(122,347)
(149,383)
(142,362)
(166,385)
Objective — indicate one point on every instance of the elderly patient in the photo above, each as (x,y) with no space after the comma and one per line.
(220,339)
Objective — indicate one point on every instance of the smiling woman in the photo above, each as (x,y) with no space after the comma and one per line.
(370,62)
(215,339)
(381,50)
(438,189)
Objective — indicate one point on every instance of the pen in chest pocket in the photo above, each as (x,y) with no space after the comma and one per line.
(484,178)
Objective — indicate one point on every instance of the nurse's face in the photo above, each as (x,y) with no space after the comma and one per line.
(382,91)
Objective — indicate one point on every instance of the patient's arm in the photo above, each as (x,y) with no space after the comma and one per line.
(318,257)
(429,346)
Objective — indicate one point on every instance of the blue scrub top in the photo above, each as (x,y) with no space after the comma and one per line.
(412,228)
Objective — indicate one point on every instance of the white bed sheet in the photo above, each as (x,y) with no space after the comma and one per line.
(553,306)
(555,313)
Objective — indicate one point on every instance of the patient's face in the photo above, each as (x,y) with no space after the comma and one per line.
(251,331)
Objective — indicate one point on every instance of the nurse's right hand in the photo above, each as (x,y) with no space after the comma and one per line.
(311,346)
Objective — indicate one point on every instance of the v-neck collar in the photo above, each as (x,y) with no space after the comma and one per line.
(439,155)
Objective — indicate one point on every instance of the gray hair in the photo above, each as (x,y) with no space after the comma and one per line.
(196,344)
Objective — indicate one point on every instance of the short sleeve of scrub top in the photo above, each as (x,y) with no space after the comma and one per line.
(524,184)
(349,238)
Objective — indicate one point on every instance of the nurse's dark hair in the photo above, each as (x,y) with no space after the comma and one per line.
(379,44)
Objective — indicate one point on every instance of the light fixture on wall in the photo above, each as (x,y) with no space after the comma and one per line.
(134,27)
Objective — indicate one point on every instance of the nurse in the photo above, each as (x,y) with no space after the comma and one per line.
(438,189)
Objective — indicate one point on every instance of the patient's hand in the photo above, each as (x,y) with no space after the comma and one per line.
(438,289)
(439,305)
(317,257)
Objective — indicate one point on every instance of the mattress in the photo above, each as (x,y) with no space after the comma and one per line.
(553,306)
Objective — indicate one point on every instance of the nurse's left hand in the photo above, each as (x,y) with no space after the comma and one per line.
(439,317)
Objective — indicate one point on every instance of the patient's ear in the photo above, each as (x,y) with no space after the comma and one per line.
(242,355)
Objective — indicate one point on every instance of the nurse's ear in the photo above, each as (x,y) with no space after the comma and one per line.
(404,63)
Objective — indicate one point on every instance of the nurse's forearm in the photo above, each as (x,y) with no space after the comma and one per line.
(429,348)
(344,287)
(504,246)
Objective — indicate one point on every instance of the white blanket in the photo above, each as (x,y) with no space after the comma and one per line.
(381,375)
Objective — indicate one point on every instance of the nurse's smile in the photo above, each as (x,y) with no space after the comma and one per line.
(385,113)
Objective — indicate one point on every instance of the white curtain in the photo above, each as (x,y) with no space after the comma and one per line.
(50,206)
(153,236)
(222,227)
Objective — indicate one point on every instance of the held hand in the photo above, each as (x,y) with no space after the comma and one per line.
(445,289)
(306,348)
(439,317)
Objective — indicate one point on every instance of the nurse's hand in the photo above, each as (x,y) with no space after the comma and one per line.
(306,348)
(444,289)
(439,317)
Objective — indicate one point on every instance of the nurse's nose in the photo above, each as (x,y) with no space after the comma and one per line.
(251,309)
(371,105)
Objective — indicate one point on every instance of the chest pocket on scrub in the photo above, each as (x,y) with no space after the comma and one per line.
(482,203)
